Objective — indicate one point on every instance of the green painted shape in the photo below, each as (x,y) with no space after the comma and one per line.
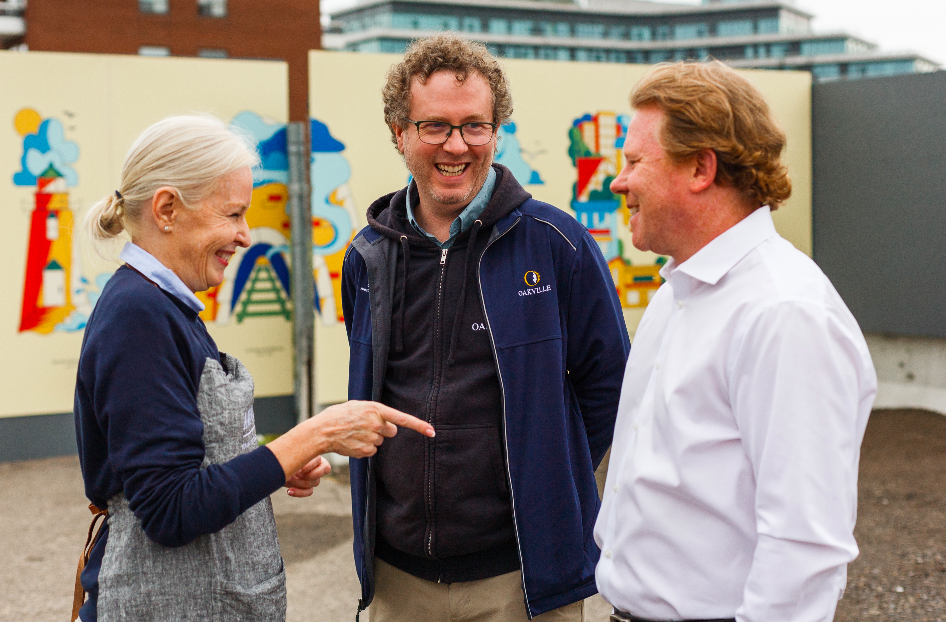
(263,297)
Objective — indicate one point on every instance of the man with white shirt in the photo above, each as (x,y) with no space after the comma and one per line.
(732,487)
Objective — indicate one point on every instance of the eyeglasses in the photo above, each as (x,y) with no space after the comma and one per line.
(474,134)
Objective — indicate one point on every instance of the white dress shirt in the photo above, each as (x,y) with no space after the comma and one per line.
(732,485)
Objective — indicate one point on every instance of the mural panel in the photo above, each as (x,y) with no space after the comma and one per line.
(62,144)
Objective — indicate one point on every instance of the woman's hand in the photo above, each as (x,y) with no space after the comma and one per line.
(356,428)
(308,477)
(353,429)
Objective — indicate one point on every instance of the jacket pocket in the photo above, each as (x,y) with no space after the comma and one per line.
(472,510)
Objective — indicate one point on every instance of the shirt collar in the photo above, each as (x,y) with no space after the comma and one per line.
(713,261)
(466,218)
(146,263)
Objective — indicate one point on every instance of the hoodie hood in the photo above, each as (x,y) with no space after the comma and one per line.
(388,215)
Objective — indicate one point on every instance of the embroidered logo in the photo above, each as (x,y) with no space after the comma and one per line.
(532,279)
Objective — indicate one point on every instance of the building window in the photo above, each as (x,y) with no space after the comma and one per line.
(702,53)
(591,56)
(817,48)
(212,8)
(828,72)
(768,26)
(393,46)
(618,33)
(370,47)
(663,32)
(617,56)
(778,50)
(522,27)
(690,31)
(154,50)
(886,68)
(734,28)
(659,56)
(405,21)
(211,53)
(499,27)
(155,7)
(437,22)
(520,51)
(472,24)
(589,31)
(640,33)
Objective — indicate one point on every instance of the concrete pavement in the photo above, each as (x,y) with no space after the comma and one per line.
(44,521)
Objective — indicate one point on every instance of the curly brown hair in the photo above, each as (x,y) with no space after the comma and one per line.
(425,57)
(711,106)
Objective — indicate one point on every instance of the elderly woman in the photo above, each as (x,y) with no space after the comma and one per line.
(167,440)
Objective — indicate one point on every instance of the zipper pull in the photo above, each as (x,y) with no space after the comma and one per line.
(443,256)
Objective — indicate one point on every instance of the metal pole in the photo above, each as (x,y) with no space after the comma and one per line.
(303,284)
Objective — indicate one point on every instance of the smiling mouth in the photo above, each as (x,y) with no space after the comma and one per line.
(224,256)
(633,210)
(451,171)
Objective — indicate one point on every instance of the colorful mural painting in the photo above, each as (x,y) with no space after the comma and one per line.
(256,282)
(595,148)
(509,154)
(56,296)
(334,218)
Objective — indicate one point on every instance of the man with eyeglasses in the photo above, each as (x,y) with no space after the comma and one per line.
(493,316)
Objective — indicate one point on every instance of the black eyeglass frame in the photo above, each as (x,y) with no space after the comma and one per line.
(417,124)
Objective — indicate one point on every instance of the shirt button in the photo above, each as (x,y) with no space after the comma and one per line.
(607,554)
(657,365)
(615,488)
(635,426)
(679,304)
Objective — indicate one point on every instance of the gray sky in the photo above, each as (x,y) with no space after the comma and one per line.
(896,25)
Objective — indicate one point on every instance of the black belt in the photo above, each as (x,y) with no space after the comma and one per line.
(621,616)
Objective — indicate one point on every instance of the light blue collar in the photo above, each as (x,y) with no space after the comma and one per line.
(466,218)
(145,263)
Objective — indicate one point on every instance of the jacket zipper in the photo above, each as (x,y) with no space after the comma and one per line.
(502,390)
(430,405)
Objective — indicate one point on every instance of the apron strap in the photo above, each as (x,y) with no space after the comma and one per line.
(79,596)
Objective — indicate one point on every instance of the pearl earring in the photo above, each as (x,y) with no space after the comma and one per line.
(167,228)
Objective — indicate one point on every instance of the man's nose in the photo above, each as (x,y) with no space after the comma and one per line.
(455,142)
(618,185)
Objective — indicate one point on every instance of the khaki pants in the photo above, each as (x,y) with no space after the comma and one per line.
(401,597)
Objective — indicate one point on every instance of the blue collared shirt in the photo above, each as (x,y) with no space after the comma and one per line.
(466,218)
(146,263)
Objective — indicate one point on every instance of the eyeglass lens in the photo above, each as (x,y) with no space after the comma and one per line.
(436,133)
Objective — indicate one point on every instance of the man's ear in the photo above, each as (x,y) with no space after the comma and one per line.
(164,207)
(704,170)
(399,134)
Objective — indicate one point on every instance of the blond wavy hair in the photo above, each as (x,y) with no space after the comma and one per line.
(424,57)
(711,106)
(189,153)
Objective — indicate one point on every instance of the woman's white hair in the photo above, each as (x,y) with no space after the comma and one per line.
(189,153)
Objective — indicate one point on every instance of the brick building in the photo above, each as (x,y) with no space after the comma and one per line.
(275,29)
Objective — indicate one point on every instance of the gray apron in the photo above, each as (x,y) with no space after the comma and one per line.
(234,574)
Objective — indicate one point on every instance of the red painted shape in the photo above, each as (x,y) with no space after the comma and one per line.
(32,314)
(586,170)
